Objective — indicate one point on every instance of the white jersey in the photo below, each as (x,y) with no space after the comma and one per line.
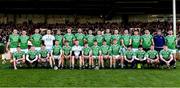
(48,41)
(77,50)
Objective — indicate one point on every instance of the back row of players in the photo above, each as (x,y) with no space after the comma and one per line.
(95,49)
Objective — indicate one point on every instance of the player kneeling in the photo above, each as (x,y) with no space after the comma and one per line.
(86,56)
(66,54)
(18,58)
(44,57)
(129,57)
(56,55)
(166,57)
(140,58)
(105,50)
(116,51)
(76,54)
(152,57)
(32,57)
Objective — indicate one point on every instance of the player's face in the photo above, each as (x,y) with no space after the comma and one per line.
(18,49)
(147,31)
(90,32)
(23,32)
(140,48)
(56,43)
(107,30)
(43,47)
(33,48)
(99,32)
(159,32)
(115,42)
(125,31)
(37,31)
(116,32)
(136,33)
(129,48)
(165,48)
(48,31)
(58,32)
(170,32)
(104,43)
(67,44)
(95,43)
(69,30)
(86,45)
(79,30)
(76,43)
(15,31)
(152,47)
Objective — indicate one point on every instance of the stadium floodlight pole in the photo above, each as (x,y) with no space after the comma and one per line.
(174,17)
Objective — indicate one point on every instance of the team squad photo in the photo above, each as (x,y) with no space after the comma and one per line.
(104,49)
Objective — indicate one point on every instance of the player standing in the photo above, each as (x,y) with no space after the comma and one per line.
(36,40)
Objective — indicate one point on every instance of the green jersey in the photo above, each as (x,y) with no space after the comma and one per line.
(24,42)
(117,37)
(43,53)
(86,51)
(14,40)
(165,54)
(18,55)
(116,49)
(135,41)
(90,40)
(146,41)
(126,39)
(171,41)
(59,38)
(140,54)
(107,38)
(152,54)
(129,54)
(95,50)
(99,39)
(69,38)
(66,50)
(56,50)
(36,40)
(32,54)
(105,49)
(80,37)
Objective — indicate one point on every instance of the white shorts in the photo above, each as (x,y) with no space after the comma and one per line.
(116,56)
(95,57)
(173,51)
(56,57)
(12,50)
(37,48)
(135,49)
(24,50)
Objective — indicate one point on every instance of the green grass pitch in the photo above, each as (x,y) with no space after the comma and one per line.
(89,78)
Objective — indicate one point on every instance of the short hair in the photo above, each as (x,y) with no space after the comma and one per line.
(140,46)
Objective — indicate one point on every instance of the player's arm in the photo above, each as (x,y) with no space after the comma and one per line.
(141,41)
(161,57)
(23,58)
(171,58)
(39,56)
(61,52)
(36,58)
(130,41)
(27,58)
(152,41)
(122,42)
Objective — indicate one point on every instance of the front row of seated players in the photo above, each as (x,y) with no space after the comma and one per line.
(92,56)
